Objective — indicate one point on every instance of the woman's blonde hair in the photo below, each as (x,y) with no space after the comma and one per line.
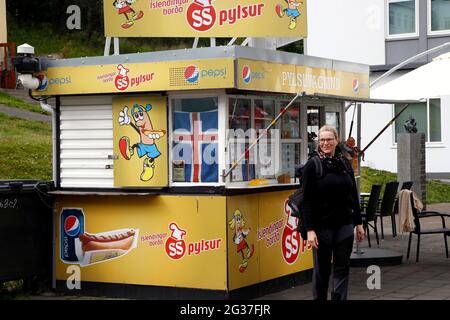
(329,129)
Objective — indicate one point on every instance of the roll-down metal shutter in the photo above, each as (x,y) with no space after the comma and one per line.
(86,142)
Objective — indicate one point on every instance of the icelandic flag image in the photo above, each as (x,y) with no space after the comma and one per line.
(196,143)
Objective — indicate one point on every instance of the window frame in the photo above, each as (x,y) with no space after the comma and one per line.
(221,96)
(401,35)
(427,142)
(429,31)
(277,102)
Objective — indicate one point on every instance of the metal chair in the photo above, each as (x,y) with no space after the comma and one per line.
(387,206)
(419,231)
(370,210)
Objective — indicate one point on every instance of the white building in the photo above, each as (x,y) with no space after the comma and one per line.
(383,33)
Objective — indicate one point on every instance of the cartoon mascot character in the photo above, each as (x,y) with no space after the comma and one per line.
(124,7)
(290,11)
(147,146)
(237,224)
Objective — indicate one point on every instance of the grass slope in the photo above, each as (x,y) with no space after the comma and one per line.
(26,149)
(437,192)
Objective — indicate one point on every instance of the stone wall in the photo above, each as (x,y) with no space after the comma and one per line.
(411,162)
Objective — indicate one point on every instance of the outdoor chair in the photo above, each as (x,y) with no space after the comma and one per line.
(387,206)
(405,185)
(419,230)
(369,211)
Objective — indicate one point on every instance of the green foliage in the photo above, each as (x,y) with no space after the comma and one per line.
(63,43)
(60,44)
(54,39)
(26,150)
(11,101)
(10,290)
(371,176)
(437,191)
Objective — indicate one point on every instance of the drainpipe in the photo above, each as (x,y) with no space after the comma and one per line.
(51,109)
(55,172)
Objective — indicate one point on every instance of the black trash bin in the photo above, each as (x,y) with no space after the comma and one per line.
(25,230)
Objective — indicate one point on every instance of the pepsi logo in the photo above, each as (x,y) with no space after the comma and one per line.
(72,226)
(355,85)
(191,74)
(43,82)
(246,74)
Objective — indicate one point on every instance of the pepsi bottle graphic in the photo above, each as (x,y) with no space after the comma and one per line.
(72,225)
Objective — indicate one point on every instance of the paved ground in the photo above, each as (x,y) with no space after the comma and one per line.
(25,114)
(429,279)
(23,95)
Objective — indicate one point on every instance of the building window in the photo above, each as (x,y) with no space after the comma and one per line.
(402,18)
(278,151)
(427,115)
(240,123)
(290,138)
(438,16)
(195,140)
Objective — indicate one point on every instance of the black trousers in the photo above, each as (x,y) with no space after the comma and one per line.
(336,244)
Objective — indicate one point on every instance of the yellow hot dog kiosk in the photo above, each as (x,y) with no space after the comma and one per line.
(145,199)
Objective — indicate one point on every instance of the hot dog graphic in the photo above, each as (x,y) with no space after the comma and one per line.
(92,242)
(100,247)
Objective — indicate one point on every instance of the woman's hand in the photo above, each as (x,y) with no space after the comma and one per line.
(312,240)
(360,232)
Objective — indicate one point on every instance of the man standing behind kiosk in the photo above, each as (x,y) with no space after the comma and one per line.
(331,211)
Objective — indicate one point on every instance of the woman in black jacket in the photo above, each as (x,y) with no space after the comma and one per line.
(331,212)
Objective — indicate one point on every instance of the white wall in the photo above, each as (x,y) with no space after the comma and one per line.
(382,154)
(353,30)
(350,30)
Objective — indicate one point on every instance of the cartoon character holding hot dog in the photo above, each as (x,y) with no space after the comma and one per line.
(290,11)
(146,147)
(237,224)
